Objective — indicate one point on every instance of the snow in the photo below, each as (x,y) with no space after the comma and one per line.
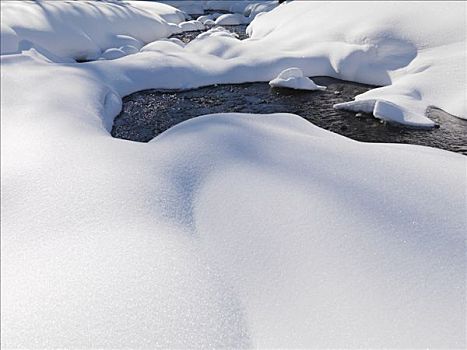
(204,18)
(191,7)
(167,12)
(81,30)
(384,44)
(293,78)
(229,230)
(254,9)
(209,22)
(390,112)
(232,19)
(112,54)
(248,8)
(191,26)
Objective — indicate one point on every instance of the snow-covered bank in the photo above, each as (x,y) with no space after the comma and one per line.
(83,30)
(384,44)
(225,231)
(197,7)
(215,230)
(379,43)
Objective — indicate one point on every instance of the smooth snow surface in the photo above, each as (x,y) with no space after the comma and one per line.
(293,78)
(228,230)
(79,29)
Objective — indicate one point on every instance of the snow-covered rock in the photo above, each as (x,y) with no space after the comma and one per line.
(204,18)
(232,19)
(169,13)
(254,9)
(209,22)
(192,26)
(112,54)
(198,7)
(214,32)
(191,7)
(293,78)
(390,112)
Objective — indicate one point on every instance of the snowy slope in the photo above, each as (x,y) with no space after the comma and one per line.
(80,29)
(227,230)
(417,49)
(197,7)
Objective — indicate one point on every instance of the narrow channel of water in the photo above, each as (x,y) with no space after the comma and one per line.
(146,114)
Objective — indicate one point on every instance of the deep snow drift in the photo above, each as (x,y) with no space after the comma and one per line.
(381,44)
(230,230)
(248,7)
(83,30)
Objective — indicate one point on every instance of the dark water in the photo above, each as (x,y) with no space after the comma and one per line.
(146,114)
(186,37)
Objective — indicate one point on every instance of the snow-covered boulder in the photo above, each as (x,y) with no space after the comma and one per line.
(213,32)
(204,18)
(129,49)
(232,19)
(216,15)
(191,7)
(252,10)
(393,113)
(389,112)
(191,26)
(175,29)
(112,54)
(293,78)
(169,13)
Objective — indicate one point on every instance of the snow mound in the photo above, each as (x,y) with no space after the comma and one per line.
(209,22)
(254,9)
(198,7)
(385,44)
(214,32)
(293,78)
(388,112)
(191,7)
(232,19)
(81,30)
(112,54)
(192,26)
(169,13)
(205,18)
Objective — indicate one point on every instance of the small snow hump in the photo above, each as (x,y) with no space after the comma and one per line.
(293,78)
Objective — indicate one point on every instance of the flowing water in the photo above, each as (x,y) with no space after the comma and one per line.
(146,114)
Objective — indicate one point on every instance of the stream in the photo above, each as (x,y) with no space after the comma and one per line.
(145,114)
